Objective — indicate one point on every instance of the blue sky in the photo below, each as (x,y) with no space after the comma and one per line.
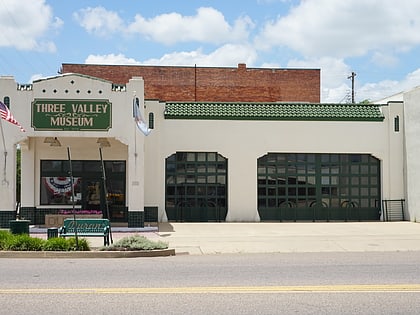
(377,39)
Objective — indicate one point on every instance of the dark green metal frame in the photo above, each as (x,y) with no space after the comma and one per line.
(196,187)
(310,187)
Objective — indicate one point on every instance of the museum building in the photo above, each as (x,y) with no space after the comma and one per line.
(214,144)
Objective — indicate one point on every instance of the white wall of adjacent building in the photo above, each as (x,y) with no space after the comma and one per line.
(243,142)
(412,152)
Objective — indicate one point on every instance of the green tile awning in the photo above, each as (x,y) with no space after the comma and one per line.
(273,111)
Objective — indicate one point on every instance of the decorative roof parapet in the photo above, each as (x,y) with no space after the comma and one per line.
(273,111)
(24,87)
(118,87)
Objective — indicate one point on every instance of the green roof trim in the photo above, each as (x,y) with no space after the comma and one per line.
(273,111)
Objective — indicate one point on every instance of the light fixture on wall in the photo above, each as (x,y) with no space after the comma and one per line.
(55,143)
(49,140)
(103,142)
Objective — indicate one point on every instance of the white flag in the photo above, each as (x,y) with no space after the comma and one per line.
(138,118)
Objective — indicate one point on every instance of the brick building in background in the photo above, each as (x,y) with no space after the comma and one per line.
(212,84)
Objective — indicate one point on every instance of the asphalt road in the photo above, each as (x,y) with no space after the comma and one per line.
(289,283)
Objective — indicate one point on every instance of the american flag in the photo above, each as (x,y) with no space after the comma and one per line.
(7,115)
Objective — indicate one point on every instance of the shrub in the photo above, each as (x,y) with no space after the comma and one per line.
(136,242)
(4,238)
(83,244)
(56,244)
(24,242)
(63,244)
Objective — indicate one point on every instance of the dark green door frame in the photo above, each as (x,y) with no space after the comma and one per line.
(309,187)
(196,187)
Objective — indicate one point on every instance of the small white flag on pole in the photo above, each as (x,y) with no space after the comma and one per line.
(138,117)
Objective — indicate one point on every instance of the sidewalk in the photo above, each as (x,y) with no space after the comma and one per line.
(214,238)
(220,238)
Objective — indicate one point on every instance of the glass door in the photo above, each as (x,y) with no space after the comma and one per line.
(93,195)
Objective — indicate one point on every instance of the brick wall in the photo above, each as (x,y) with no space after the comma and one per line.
(214,84)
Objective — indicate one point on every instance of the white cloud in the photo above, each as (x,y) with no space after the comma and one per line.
(272,1)
(323,32)
(336,85)
(25,27)
(36,76)
(111,59)
(382,89)
(384,59)
(334,77)
(99,21)
(345,28)
(227,55)
(207,26)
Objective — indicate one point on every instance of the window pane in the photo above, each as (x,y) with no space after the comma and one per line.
(180,168)
(364,169)
(211,168)
(116,192)
(114,166)
(92,166)
(181,156)
(221,167)
(58,190)
(50,166)
(191,157)
(170,190)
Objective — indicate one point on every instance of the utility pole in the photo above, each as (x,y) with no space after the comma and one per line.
(353,74)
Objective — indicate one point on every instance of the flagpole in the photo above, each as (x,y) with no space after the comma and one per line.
(4,181)
(6,115)
(106,192)
(135,131)
(72,198)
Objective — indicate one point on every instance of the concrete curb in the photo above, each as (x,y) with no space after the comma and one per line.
(88,254)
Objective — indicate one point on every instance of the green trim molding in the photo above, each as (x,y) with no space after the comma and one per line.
(273,111)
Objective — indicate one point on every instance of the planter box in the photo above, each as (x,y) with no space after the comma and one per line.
(19,226)
(56,220)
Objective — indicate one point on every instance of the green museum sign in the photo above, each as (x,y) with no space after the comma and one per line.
(71,115)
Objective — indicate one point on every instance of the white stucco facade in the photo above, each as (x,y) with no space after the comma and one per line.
(126,142)
(241,142)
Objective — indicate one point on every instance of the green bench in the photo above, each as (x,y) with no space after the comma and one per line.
(86,228)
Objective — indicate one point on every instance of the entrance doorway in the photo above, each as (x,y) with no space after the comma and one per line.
(88,185)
